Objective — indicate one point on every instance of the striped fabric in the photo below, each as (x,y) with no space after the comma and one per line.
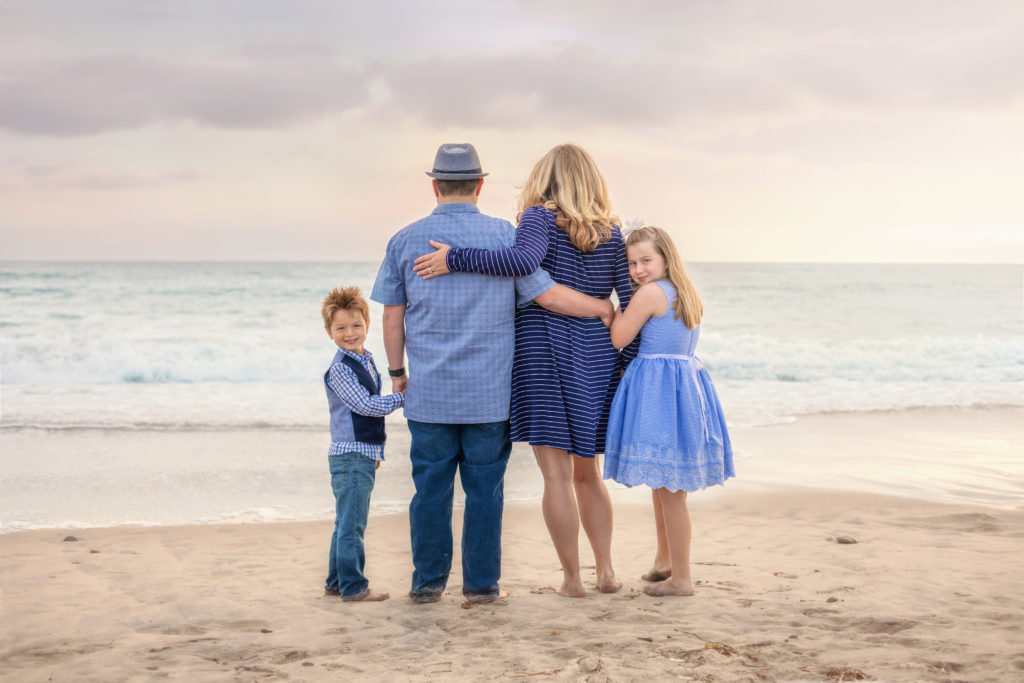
(565,369)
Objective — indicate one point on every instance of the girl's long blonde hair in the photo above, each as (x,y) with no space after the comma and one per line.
(567,183)
(687,305)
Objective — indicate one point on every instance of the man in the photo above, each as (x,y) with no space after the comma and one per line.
(459,334)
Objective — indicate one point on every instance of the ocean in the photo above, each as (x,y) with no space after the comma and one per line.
(201,353)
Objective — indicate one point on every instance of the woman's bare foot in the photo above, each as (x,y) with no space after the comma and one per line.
(368,595)
(656,574)
(608,584)
(669,587)
(572,590)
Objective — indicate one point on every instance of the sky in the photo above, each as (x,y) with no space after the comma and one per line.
(785,131)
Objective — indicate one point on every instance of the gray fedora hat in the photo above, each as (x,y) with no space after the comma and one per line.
(456,162)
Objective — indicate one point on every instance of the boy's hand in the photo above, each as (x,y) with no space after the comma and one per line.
(377,466)
(398,384)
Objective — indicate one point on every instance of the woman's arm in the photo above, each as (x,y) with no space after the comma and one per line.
(645,303)
(521,259)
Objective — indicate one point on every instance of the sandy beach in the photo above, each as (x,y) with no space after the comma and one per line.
(929,592)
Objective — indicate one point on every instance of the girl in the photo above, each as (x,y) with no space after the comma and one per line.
(666,427)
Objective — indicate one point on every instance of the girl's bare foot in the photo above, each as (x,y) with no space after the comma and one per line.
(572,590)
(368,595)
(608,584)
(656,574)
(669,587)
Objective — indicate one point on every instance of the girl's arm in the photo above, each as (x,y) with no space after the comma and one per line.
(645,303)
(521,259)
(624,293)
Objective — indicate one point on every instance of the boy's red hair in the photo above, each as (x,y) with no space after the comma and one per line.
(344,299)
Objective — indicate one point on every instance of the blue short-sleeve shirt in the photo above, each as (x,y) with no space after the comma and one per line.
(459,328)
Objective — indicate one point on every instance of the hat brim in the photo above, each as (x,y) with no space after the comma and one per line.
(438,175)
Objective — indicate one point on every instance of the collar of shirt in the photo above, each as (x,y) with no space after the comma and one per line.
(367,356)
(457,207)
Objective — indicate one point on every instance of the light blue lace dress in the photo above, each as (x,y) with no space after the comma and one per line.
(666,427)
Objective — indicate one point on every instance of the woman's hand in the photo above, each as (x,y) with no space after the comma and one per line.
(434,264)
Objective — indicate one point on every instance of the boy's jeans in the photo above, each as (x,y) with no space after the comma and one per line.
(352,477)
(480,452)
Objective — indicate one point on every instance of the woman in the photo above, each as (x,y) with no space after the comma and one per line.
(565,369)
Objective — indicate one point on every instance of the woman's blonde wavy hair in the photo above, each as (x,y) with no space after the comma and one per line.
(567,183)
(687,305)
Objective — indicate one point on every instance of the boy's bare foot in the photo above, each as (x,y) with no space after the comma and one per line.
(367,595)
(669,587)
(572,590)
(485,599)
(608,584)
(656,574)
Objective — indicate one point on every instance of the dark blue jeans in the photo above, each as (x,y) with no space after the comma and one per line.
(352,477)
(480,453)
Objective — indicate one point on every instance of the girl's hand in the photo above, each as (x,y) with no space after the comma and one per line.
(649,300)
(434,264)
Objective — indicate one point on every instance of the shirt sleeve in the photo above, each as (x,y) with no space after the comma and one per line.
(521,259)
(389,287)
(344,383)
(624,292)
(533,285)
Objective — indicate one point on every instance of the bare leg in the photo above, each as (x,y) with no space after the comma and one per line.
(561,516)
(679,533)
(662,567)
(595,506)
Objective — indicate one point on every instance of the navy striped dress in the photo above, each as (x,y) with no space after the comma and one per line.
(565,370)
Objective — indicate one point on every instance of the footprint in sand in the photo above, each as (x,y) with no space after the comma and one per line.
(172,630)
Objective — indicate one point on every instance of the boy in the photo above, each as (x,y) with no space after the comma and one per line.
(357,439)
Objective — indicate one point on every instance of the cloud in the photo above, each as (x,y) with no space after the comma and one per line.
(108,182)
(975,71)
(575,86)
(641,63)
(112,92)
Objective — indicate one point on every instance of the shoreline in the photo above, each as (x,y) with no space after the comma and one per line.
(87,479)
(929,591)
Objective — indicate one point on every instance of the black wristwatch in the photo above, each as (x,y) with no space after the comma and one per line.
(396,373)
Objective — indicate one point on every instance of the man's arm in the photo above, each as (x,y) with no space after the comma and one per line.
(568,301)
(394,343)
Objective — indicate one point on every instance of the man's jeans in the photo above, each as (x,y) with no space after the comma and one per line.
(480,452)
(352,477)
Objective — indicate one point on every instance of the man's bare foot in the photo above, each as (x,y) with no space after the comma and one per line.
(656,574)
(367,595)
(572,590)
(669,587)
(484,599)
(608,584)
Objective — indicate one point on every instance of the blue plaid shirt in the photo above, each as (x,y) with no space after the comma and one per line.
(460,328)
(344,383)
